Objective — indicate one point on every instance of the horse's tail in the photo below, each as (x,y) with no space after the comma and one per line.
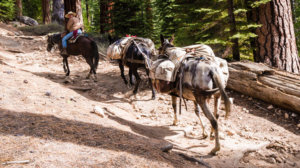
(227,101)
(95,55)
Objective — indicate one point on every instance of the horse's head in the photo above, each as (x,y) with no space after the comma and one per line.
(112,39)
(50,44)
(52,40)
(165,43)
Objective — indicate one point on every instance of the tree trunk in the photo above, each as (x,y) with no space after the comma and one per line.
(79,11)
(270,85)
(19,8)
(87,11)
(249,20)
(58,11)
(103,15)
(276,42)
(235,41)
(149,19)
(46,11)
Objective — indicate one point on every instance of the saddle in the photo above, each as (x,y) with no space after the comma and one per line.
(73,39)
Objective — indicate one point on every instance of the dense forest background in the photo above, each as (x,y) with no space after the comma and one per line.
(190,21)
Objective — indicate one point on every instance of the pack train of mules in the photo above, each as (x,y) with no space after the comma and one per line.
(188,73)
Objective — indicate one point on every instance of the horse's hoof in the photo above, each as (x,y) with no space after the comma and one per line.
(153,97)
(214,151)
(204,135)
(135,92)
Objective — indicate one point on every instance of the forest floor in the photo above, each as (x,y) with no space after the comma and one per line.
(46,120)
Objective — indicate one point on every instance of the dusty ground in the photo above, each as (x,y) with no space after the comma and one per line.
(46,121)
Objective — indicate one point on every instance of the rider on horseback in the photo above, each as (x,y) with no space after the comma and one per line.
(74,27)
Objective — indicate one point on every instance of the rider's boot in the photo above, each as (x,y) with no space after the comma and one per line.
(64,51)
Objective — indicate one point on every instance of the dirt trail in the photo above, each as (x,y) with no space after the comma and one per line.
(46,119)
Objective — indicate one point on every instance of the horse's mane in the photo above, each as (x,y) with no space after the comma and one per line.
(56,38)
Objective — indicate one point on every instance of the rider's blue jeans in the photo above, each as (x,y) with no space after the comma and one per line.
(69,35)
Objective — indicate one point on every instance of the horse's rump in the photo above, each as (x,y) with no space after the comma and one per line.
(118,49)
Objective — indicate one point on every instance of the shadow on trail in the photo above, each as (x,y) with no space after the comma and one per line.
(156,132)
(107,85)
(92,135)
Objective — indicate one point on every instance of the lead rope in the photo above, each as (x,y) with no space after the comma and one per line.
(180,84)
(148,61)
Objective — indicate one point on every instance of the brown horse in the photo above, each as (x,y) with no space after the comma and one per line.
(83,46)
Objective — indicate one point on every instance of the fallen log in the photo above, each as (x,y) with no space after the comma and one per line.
(268,84)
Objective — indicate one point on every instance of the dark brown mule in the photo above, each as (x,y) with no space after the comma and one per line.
(83,46)
(196,81)
(134,60)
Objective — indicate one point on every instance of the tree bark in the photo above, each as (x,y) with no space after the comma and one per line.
(276,42)
(46,11)
(79,11)
(58,11)
(235,41)
(249,20)
(87,11)
(149,18)
(268,84)
(103,15)
(19,8)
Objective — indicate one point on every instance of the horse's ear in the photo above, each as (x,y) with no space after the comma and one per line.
(172,39)
(162,39)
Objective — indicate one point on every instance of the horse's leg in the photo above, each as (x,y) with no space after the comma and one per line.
(201,100)
(138,80)
(90,62)
(174,105)
(121,66)
(66,65)
(130,76)
(197,111)
(217,102)
(150,82)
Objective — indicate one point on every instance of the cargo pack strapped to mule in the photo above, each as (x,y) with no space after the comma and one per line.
(166,68)
(118,49)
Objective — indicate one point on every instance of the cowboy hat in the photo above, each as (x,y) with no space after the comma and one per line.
(70,13)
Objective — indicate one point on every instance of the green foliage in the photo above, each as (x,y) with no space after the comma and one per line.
(165,18)
(33,9)
(297,23)
(94,14)
(7,10)
(256,4)
(132,17)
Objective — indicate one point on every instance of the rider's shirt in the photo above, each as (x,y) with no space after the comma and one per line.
(73,24)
